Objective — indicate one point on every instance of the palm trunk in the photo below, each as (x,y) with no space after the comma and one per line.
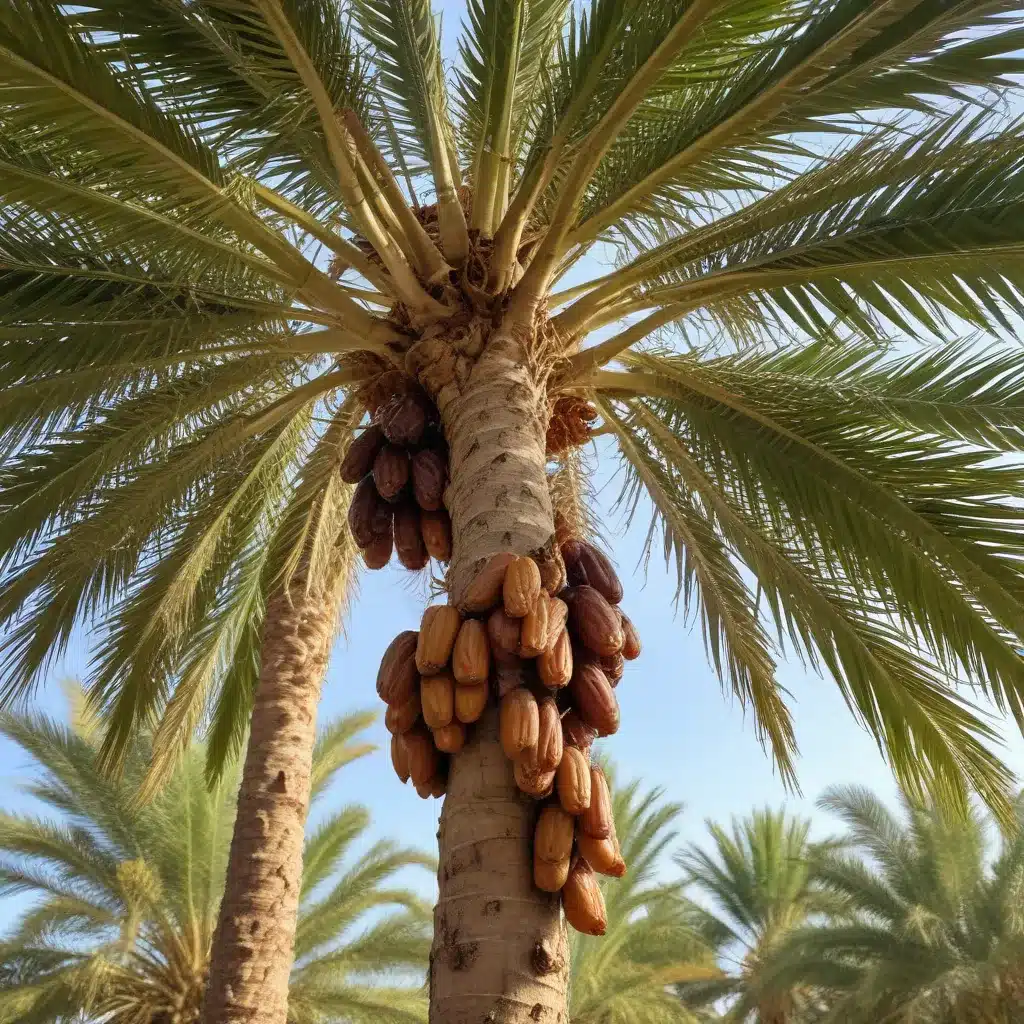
(252,952)
(500,952)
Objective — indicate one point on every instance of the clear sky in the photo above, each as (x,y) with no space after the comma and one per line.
(678,731)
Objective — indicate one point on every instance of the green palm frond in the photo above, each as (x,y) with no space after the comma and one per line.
(504,49)
(46,273)
(30,183)
(137,509)
(164,395)
(126,894)
(49,396)
(231,706)
(356,892)
(708,577)
(759,879)
(335,748)
(902,502)
(639,50)
(490,57)
(307,528)
(57,78)
(928,220)
(329,843)
(611,55)
(834,64)
(310,526)
(223,69)
(913,234)
(172,606)
(178,613)
(358,1004)
(411,79)
(50,72)
(406,38)
(961,391)
(96,115)
(930,931)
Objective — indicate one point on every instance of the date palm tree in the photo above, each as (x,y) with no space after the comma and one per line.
(933,931)
(655,936)
(782,187)
(758,880)
(122,899)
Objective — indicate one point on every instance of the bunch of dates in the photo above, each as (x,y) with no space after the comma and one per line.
(551,661)
(399,464)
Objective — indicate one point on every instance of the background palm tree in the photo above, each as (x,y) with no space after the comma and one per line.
(759,880)
(794,183)
(654,937)
(933,932)
(904,919)
(124,897)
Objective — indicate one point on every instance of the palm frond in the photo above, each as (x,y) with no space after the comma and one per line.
(308,531)
(33,187)
(59,83)
(329,843)
(946,249)
(925,932)
(311,529)
(647,42)
(490,54)
(411,78)
(500,84)
(708,576)
(220,68)
(173,602)
(759,879)
(130,519)
(832,65)
(794,186)
(356,892)
(359,1004)
(335,748)
(799,558)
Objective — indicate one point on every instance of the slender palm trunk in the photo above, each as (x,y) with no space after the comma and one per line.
(252,952)
(500,953)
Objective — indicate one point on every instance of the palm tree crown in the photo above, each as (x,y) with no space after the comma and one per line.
(932,932)
(790,183)
(758,879)
(125,897)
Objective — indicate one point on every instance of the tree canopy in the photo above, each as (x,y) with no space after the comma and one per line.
(123,897)
(931,931)
(791,190)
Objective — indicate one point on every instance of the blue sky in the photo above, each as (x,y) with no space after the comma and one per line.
(678,730)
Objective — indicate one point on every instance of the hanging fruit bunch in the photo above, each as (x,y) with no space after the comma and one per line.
(399,464)
(544,639)
(552,662)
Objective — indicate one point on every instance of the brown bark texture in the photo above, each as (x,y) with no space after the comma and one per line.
(497,495)
(500,952)
(252,953)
